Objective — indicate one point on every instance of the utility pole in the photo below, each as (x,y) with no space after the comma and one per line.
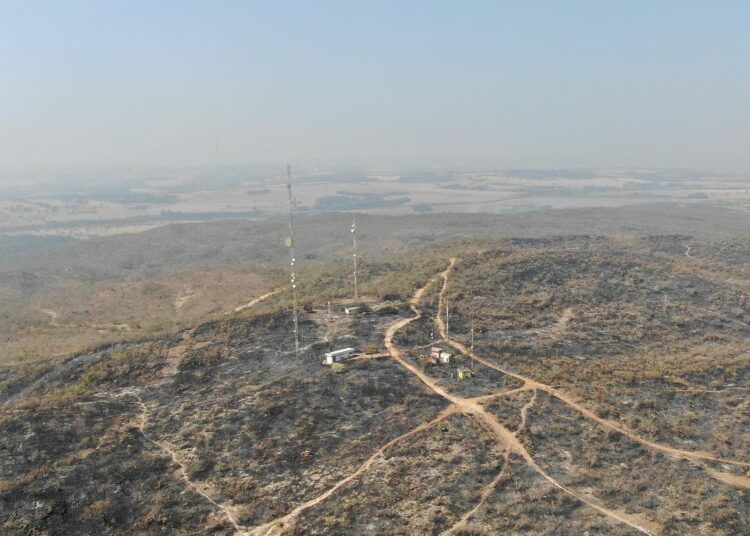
(290,243)
(472,344)
(354,242)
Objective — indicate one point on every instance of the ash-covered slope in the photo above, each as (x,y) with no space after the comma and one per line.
(218,428)
(602,391)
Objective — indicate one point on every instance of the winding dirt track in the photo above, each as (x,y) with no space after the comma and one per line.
(505,437)
(499,394)
(490,488)
(142,424)
(277,525)
(696,456)
(483,496)
(471,407)
(525,413)
(256,301)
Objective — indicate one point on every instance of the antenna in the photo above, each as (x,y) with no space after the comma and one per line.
(290,243)
(472,343)
(354,242)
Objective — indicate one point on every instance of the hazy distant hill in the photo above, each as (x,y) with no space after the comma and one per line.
(326,237)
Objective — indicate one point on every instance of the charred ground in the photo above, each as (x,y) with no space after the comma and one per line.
(221,429)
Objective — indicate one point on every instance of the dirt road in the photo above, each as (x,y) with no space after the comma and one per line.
(567,399)
(278,525)
(505,438)
(225,510)
(255,301)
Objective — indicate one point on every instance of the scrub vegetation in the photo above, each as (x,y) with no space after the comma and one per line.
(608,395)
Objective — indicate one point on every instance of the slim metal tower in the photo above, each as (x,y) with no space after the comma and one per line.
(354,243)
(472,343)
(290,243)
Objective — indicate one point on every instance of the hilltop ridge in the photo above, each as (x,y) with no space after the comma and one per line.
(595,389)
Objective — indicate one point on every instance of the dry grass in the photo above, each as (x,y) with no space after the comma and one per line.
(77,315)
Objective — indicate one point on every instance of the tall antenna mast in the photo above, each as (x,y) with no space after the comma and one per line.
(472,343)
(290,243)
(354,242)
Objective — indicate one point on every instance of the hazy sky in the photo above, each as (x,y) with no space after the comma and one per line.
(524,83)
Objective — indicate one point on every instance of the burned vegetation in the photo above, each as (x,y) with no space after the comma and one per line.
(109,447)
(580,385)
(641,332)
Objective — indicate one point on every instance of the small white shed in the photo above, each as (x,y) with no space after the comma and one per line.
(337,355)
(440,356)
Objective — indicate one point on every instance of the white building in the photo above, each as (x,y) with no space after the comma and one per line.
(438,355)
(464,374)
(338,355)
